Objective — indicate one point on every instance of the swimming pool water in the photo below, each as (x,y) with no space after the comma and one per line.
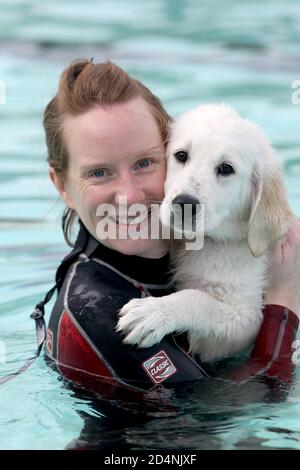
(186,51)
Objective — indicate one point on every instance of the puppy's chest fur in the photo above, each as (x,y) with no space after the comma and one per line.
(226,271)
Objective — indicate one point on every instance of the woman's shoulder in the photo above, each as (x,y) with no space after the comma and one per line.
(90,273)
(93,286)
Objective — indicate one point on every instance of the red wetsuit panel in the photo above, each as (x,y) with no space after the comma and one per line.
(79,362)
(75,352)
(272,353)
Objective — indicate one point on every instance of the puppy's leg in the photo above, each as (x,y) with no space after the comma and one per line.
(146,321)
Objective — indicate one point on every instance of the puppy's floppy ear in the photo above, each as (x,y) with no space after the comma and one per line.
(270,214)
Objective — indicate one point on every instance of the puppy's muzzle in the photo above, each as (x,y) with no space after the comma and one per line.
(184,210)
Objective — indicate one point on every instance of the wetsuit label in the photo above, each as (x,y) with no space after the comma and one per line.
(159,367)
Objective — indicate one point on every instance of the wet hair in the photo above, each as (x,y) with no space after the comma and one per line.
(83,85)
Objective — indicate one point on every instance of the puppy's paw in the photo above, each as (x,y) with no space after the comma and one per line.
(143,321)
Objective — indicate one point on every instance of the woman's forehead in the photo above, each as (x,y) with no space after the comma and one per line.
(106,118)
(117,129)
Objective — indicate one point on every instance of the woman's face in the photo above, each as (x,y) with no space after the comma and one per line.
(116,155)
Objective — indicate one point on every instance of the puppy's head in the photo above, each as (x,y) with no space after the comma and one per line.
(224,166)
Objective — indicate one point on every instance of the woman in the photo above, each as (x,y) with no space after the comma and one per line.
(106,135)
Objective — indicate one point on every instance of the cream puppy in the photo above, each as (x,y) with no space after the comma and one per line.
(225,168)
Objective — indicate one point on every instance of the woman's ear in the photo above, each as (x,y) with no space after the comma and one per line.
(270,215)
(60,185)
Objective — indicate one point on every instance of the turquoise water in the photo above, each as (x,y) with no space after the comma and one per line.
(186,51)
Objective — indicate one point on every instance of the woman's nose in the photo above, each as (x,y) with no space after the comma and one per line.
(129,189)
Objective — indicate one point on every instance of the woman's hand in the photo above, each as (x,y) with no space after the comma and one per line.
(284,271)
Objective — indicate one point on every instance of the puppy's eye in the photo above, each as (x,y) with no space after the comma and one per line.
(225,169)
(181,156)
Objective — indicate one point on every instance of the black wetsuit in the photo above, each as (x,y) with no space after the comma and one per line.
(81,332)
(94,283)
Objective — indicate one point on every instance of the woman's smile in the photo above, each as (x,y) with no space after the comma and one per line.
(129,220)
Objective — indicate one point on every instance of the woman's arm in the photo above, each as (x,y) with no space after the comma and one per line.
(272,355)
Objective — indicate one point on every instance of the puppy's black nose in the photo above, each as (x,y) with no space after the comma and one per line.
(183,199)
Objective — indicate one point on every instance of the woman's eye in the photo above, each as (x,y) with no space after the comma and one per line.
(144,163)
(181,156)
(225,169)
(98,173)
